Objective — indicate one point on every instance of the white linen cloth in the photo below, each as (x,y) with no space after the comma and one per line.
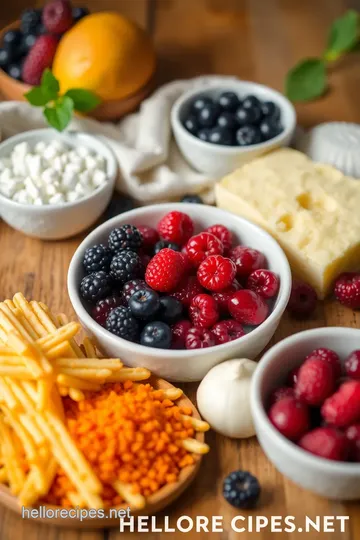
(150,164)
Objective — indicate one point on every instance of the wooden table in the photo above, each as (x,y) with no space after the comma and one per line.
(257,40)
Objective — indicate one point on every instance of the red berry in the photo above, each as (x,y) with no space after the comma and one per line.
(352,434)
(203,311)
(179,331)
(57,16)
(263,282)
(199,338)
(165,270)
(326,442)
(290,417)
(223,234)
(293,376)
(247,260)
(149,235)
(187,263)
(145,259)
(352,365)
(315,382)
(303,300)
(347,289)
(216,273)
(225,331)
(247,307)
(222,297)
(131,287)
(187,289)
(281,393)
(329,356)
(103,307)
(176,227)
(343,408)
(201,246)
(40,57)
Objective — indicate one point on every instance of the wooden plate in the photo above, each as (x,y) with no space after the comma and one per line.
(162,498)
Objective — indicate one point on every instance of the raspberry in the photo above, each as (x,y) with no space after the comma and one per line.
(201,246)
(347,289)
(199,338)
(57,16)
(121,323)
(247,260)
(352,434)
(329,356)
(179,331)
(343,408)
(263,282)
(222,297)
(228,330)
(187,289)
(131,287)
(149,236)
(290,417)
(315,382)
(103,307)
(97,258)
(281,393)
(95,286)
(165,270)
(247,307)
(216,273)
(352,365)
(125,237)
(293,376)
(223,234)
(176,227)
(186,260)
(126,265)
(303,300)
(326,442)
(39,58)
(203,311)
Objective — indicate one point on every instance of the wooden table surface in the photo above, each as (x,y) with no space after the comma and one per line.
(253,39)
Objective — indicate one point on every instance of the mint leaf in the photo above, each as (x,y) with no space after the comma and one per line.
(50,84)
(59,115)
(306,80)
(37,97)
(84,100)
(343,36)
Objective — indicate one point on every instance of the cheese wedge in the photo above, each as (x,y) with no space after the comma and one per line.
(312,209)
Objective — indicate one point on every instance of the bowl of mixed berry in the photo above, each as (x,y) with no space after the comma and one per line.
(306,409)
(220,128)
(179,287)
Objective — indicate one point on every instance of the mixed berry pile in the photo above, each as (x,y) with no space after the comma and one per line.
(170,288)
(232,121)
(26,52)
(319,409)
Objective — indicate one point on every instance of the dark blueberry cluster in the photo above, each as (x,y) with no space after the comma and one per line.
(241,489)
(233,121)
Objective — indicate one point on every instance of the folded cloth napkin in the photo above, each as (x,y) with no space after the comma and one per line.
(150,164)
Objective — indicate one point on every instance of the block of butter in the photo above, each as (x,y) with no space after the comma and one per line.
(312,209)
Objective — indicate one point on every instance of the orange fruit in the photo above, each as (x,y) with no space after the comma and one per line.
(106,53)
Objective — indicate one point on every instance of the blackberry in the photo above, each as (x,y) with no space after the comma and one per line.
(241,489)
(156,334)
(121,323)
(126,265)
(144,304)
(103,307)
(30,19)
(97,258)
(131,287)
(125,237)
(95,286)
(165,244)
(194,199)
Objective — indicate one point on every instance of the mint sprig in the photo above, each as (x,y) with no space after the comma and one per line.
(308,79)
(58,109)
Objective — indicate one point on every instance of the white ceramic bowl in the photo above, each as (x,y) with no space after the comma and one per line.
(331,479)
(217,160)
(57,221)
(181,365)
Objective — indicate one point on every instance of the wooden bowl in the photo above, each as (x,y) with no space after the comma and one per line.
(156,502)
(13,90)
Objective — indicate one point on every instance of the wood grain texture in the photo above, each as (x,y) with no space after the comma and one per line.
(252,39)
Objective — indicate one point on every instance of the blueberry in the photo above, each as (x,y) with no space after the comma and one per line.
(269,128)
(30,19)
(79,12)
(27,42)
(144,304)
(170,309)
(247,135)
(204,134)
(191,124)
(248,116)
(207,116)
(241,489)
(227,120)
(5,58)
(250,102)
(222,136)
(156,334)
(14,70)
(12,40)
(200,103)
(165,244)
(269,108)
(229,101)
(193,199)
(40,29)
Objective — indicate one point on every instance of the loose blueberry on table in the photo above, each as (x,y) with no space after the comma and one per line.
(196,291)
(233,121)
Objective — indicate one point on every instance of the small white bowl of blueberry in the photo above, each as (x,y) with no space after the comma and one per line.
(220,128)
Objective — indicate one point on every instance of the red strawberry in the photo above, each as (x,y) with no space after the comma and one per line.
(216,273)
(201,246)
(176,227)
(40,57)
(343,408)
(223,234)
(57,16)
(315,381)
(187,289)
(165,270)
(203,311)
(326,442)
(290,417)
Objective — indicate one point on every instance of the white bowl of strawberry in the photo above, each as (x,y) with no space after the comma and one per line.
(178,288)
(305,400)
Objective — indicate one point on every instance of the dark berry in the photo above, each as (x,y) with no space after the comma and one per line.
(27,42)
(5,58)
(12,40)
(103,307)
(79,12)
(250,102)
(199,338)
(269,109)
(245,117)
(144,304)
(14,70)
(303,300)
(97,258)
(248,135)
(207,116)
(241,489)
(193,199)
(170,309)
(131,287)
(156,334)
(96,286)
(229,101)
(227,120)
(30,19)
(201,102)
(125,237)
(122,323)
(150,236)
(40,29)
(165,244)
(126,265)
(204,134)
(179,331)
(191,124)
(269,129)
(222,136)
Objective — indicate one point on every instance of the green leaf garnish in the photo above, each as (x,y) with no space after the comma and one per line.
(37,97)
(59,115)
(343,36)
(50,84)
(84,100)
(307,80)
